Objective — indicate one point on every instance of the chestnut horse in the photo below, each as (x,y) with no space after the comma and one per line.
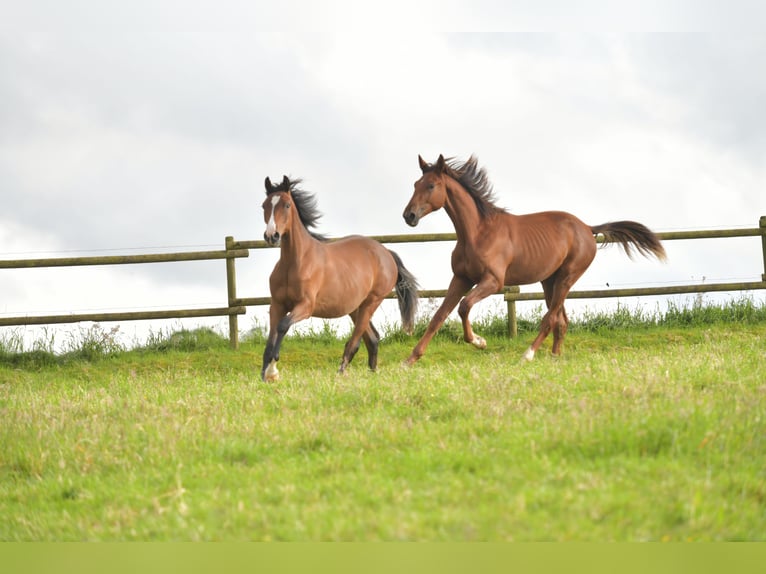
(496,248)
(318,278)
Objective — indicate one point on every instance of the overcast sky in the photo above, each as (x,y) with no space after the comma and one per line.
(142,126)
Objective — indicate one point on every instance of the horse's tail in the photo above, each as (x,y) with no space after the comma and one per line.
(631,234)
(407,293)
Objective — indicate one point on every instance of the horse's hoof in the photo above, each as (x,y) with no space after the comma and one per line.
(528,355)
(479,342)
(272,373)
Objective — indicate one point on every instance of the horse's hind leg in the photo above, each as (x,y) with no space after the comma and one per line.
(371,339)
(362,328)
(556,289)
(560,322)
(560,331)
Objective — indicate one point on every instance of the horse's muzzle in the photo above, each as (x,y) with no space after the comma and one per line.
(272,239)
(411,218)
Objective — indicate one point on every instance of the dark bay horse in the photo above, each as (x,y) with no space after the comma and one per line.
(496,248)
(318,278)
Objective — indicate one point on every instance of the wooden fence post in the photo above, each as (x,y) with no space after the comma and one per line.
(762,225)
(513,328)
(231,291)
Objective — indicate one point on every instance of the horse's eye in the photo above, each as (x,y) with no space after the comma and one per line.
(430,187)
(287,205)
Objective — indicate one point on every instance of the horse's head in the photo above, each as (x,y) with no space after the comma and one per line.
(276,210)
(430,192)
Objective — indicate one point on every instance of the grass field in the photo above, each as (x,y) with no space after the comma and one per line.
(645,429)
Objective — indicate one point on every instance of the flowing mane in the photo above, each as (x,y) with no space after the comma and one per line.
(476,182)
(305,202)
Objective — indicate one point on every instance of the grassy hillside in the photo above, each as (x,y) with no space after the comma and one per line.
(643,430)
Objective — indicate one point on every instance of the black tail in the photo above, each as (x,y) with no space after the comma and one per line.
(407,294)
(630,234)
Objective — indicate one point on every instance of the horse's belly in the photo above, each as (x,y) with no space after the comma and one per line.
(522,273)
(332,308)
(343,294)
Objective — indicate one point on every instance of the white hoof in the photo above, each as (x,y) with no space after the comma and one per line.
(479,342)
(272,373)
(528,355)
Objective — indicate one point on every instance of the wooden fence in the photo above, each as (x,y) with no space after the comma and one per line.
(229,254)
(237,305)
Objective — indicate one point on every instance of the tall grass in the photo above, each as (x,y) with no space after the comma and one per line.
(690,313)
(95,342)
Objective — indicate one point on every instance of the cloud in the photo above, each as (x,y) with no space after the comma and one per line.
(137,133)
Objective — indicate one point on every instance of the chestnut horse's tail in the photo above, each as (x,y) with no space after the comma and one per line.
(631,234)
(407,293)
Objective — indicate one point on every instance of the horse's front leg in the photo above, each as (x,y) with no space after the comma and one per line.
(489,285)
(277,314)
(457,288)
(279,325)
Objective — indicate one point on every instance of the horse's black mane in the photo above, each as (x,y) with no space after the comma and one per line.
(305,202)
(475,180)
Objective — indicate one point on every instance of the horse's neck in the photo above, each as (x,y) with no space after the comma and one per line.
(297,242)
(462,210)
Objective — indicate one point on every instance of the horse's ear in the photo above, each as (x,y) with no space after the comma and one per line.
(424,167)
(269,186)
(439,167)
(286,182)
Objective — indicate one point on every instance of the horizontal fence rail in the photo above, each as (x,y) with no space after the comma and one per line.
(238,305)
(124,316)
(431,237)
(122,259)
(512,294)
(229,254)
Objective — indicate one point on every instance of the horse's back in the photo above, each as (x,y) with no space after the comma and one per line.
(360,251)
(555,226)
(548,219)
